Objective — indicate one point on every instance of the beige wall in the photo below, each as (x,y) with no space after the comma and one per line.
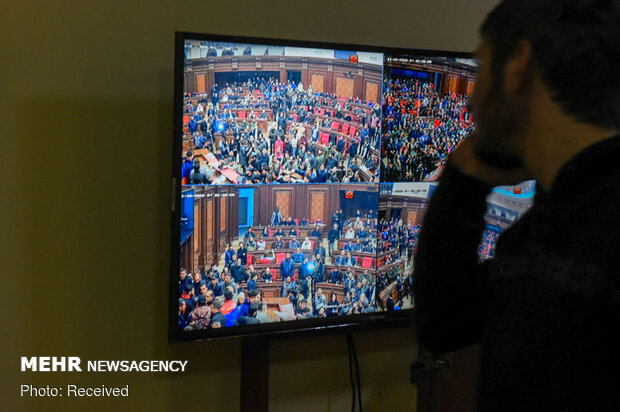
(85,155)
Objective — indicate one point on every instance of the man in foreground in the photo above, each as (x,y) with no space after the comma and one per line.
(546,308)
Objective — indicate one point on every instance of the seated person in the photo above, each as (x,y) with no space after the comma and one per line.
(316,232)
(293,232)
(348,246)
(269,254)
(267,276)
(358,223)
(303,222)
(335,276)
(286,283)
(265,232)
(320,301)
(341,259)
(307,245)
(260,245)
(349,281)
(293,244)
(250,244)
(350,234)
(333,305)
(278,244)
(350,260)
(303,312)
(250,233)
(279,232)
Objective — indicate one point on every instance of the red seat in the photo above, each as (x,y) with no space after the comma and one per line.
(296,221)
(296,117)
(264,261)
(242,115)
(312,244)
(185,120)
(306,108)
(331,113)
(322,112)
(335,126)
(345,128)
(367,262)
(270,233)
(249,259)
(324,138)
(352,131)
(280,257)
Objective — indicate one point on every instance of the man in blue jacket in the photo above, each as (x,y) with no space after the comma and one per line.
(229,256)
(287,267)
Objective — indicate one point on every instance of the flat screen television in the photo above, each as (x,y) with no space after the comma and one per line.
(301,175)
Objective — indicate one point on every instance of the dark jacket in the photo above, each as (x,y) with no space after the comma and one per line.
(545,309)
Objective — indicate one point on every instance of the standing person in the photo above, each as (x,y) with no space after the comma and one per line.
(188,166)
(242,253)
(545,308)
(332,236)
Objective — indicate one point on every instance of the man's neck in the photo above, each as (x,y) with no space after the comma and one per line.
(555,138)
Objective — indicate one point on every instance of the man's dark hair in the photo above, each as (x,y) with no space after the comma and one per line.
(228,295)
(575,45)
(252,293)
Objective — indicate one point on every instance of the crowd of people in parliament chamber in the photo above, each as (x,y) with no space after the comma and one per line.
(396,249)
(264,131)
(296,254)
(421,126)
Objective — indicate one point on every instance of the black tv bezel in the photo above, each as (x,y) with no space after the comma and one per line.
(291,329)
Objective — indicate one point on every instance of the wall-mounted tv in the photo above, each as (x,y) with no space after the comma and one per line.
(301,173)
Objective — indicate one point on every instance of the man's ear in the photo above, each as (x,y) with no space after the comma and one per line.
(518,68)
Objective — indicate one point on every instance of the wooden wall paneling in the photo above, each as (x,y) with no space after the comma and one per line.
(453,82)
(358,84)
(318,82)
(233,215)
(196,244)
(329,79)
(201,83)
(470,86)
(189,79)
(210,78)
(372,92)
(317,205)
(412,216)
(344,87)
(284,200)
(210,226)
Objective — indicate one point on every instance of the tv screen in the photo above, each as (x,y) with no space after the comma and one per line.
(302,172)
